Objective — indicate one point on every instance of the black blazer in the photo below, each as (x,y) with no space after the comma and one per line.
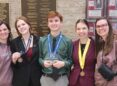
(28,70)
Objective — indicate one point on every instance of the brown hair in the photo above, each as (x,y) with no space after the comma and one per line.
(84,21)
(52,14)
(100,43)
(25,20)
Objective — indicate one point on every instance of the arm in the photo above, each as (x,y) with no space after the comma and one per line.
(42,61)
(67,60)
(15,54)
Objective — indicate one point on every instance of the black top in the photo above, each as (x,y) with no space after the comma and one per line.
(82,47)
(28,70)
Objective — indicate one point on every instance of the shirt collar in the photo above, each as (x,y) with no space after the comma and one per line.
(57,37)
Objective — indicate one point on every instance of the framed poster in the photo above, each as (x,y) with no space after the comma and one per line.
(114,26)
(94,8)
(112,9)
(91,29)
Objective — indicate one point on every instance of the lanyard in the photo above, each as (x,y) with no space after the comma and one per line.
(28,44)
(83,57)
(50,48)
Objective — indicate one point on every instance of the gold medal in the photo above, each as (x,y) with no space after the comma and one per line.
(20,60)
(82,57)
(82,73)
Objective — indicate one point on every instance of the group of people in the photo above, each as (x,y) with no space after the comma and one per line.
(54,59)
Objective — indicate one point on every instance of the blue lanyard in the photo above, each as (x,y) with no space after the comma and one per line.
(50,49)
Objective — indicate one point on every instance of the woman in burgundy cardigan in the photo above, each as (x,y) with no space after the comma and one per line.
(84,59)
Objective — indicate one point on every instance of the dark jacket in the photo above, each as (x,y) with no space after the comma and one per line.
(64,53)
(28,70)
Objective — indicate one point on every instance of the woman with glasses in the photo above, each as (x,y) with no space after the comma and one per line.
(84,59)
(105,51)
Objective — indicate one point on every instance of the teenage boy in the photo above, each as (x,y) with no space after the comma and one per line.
(55,53)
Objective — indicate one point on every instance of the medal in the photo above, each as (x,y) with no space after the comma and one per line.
(20,60)
(82,73)
(82,57)
(52,54)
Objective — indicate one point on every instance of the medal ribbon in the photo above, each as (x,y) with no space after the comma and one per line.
(50,48)
(83,57)
(28,44)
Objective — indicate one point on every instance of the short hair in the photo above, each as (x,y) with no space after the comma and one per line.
(52,14)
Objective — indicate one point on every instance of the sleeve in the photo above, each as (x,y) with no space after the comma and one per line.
(40,52)
(68,60)
(13,46)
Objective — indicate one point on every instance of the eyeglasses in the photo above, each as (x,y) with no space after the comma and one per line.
(102,25)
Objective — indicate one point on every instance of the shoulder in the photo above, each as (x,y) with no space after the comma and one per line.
(43,38)
(65,38)
(17,39)
(92,41)
(36,38)
(15,42)
(75,42)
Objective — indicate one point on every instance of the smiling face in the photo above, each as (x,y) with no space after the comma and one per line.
(4,32)
(54,23)
(102,28)
(23,27)
(82,30)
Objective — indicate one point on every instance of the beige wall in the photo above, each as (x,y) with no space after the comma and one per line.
(14,12)
(70,9)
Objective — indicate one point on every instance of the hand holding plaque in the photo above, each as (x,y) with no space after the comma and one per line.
(47,63)
(56,60)
(58,64)
(54,57)
(51,59)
